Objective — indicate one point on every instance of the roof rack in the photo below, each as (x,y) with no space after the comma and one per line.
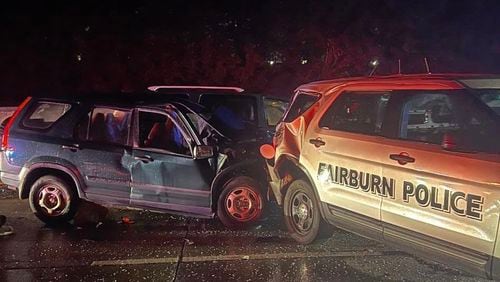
(157,87)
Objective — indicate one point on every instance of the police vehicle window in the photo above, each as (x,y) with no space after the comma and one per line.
(455,117)
(300,104)
(274,109)
(491,97)
(158,131)
(427,117)
(44,114)
(109,126)
(356,112)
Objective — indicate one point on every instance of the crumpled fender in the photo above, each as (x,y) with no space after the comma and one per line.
(253,166)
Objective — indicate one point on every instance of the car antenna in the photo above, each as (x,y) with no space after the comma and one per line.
(399,66)
(427,65)
(374,63)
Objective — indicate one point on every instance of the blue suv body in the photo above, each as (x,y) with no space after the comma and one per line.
(166,157)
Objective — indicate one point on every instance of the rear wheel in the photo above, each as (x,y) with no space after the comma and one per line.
(53,200)
(241,202)
(302,214)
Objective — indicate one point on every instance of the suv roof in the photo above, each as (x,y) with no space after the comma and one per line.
(407,81)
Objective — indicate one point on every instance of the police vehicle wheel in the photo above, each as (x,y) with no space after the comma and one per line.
(241,203)
(53,200)
(302,215)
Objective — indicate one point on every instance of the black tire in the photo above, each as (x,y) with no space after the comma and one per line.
(241,203)
(302,214)
(58,205)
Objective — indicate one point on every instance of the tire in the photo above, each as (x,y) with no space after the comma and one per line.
(240,203)
(53,200)
(302,214)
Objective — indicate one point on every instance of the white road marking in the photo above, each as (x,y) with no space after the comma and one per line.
(134,261)
(239,257)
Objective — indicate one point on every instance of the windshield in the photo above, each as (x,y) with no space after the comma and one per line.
(234,115)
(199,118)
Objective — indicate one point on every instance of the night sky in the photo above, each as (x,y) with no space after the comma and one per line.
(265,46)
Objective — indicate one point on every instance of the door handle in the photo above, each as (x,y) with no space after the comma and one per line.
(402,158)
(144,159)
(317,142)
(72,148)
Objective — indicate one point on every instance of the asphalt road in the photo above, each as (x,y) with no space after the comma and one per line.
(159,247)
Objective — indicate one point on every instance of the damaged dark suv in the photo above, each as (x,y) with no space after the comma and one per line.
(169,157)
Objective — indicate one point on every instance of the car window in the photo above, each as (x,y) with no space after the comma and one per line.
(434,117)
(159,131)
(301,103)
(427,117)
(108,125)
(356,112)
(491,97)
(44,114)
(275,109)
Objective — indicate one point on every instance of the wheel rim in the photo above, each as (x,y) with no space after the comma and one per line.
(53,200)
(243,204)
(302,212)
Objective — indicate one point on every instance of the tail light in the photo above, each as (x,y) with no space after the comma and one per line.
(6,130)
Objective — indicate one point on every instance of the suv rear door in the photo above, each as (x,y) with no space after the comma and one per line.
(446,200)
(100,154)
(164,173)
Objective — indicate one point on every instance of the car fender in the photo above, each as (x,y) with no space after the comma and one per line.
(52,163)
(285,158)
(251,167)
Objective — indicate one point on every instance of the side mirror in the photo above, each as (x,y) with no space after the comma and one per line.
(203,152)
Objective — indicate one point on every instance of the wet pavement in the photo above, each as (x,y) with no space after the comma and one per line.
(159,247)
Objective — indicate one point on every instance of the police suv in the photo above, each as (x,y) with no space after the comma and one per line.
(411,160)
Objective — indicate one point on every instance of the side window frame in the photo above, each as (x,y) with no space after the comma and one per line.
(400,104)
(34,107)
(88,116)
(383,127)
(191,142)
(292,101)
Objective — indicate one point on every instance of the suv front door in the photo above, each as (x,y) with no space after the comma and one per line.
(343,151)
(164,173)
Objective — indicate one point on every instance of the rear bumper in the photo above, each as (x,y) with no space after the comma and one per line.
(9,179)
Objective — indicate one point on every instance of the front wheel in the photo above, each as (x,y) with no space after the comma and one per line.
(241,203)
(53,200)
(302,215)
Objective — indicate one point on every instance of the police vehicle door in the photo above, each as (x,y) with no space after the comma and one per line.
(445,196)
(164,173)
(343,151)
